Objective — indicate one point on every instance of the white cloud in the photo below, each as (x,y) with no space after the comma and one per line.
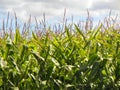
(53,8)
(106,4)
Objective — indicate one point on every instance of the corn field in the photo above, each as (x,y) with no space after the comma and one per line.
(70,59)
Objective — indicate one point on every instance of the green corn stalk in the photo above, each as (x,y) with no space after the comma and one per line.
(17,36)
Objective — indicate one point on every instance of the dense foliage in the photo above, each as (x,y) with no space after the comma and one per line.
(66,61)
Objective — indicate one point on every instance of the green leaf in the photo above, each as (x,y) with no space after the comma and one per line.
(38,58)
(81,33)
(17,36)
(55,62)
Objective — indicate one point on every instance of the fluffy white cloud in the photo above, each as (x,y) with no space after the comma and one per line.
(106,4)
(53,8)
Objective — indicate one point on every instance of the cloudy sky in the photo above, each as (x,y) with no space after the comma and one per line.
(55,8)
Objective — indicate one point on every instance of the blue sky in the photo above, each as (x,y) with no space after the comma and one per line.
(54,9)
